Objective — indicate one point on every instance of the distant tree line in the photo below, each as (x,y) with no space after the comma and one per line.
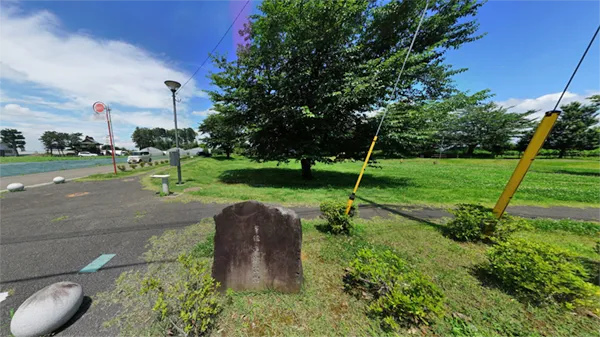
(461,125)
(61,141)
(164,139)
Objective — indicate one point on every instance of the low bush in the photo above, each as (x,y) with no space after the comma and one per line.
(133,166)
(142,164)
(541,273)
(121,168)
(337,221)
(477,223)
(188,306)
(150,163)
(399,295)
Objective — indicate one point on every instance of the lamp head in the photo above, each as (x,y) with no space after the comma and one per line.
(173,85)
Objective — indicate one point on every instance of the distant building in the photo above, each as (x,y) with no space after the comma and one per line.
(153,151)
(90,144)
(6,151)
(182,152)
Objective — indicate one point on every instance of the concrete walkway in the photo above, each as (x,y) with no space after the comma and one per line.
(37,179)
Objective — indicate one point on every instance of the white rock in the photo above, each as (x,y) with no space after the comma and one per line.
(15,187)
(58,180)
(47,310)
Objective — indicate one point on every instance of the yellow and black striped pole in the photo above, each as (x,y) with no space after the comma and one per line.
(535,144)
(362,171)
(351,198)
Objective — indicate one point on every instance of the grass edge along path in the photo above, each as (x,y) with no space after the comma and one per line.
(471,307)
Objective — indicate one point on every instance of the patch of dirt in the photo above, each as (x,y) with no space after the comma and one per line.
(78,194)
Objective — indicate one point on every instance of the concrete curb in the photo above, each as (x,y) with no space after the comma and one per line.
(44,184)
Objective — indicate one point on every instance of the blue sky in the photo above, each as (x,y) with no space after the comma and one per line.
(57,58)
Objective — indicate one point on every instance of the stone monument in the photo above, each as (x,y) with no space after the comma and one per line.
(258,247)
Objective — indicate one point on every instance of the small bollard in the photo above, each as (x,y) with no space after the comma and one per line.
(165,182)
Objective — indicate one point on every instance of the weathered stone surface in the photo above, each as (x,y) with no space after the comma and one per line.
(14,187)
(58,180)
(47,310)
(258,247)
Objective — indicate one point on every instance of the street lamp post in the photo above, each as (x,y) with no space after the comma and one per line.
(173,86)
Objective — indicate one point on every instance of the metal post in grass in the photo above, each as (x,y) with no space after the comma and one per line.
(173,86)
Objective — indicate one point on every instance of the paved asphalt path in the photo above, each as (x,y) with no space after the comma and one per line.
(48,233)
(46,177)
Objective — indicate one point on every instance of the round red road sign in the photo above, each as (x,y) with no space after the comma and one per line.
(99,107)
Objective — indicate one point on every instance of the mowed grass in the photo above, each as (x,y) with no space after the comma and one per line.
(412,181)
(472,305)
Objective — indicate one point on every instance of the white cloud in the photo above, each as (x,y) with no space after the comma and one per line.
(204,113)
(148,119)
(81,67)
(543,103)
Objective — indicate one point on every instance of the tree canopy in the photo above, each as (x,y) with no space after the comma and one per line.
(488,126)
(13,138)
(311,70)
(163,139)
(576,127)
(222,133)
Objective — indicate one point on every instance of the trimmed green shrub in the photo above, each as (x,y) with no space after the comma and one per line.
(188,306)
(477,223)
(337,222)
(142,164)
(133,166)
(121,168)
(150,163)
(399,295)
(541,273)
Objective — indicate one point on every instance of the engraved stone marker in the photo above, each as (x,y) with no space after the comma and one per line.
(258,247)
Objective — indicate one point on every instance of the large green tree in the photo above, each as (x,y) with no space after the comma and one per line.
(488,126)
(222,133)
(413,128)
(576,127)
(13,138)
(309,70)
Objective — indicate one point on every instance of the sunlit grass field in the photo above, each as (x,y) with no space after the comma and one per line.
(550,182)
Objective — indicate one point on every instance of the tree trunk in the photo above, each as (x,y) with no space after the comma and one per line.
(561,154)
(17,152)
(306,171)
(470,150)
(228,154)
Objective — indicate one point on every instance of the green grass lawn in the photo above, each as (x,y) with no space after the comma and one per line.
(472,306)
(412,181)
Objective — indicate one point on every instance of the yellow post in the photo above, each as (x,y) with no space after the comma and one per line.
(351,198)
(540,135)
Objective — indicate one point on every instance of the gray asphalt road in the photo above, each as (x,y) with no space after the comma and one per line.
(47,234)
(46,177)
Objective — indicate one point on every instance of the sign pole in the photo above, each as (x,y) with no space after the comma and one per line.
(112,146)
